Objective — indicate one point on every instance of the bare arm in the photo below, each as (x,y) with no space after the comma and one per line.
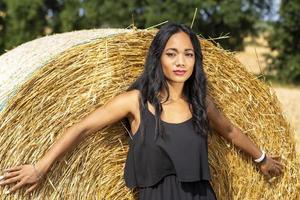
(222,125)
(116,109)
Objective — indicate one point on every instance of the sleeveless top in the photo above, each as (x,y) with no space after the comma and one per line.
(183,152)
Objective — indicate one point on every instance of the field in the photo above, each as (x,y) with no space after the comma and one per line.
(289,98)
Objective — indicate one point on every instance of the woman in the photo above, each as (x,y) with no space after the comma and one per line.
(170,116)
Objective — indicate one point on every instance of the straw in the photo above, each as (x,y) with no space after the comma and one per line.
(87,76)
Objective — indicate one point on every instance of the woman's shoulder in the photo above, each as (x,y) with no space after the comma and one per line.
(133,95)
(132,98)
(127,100)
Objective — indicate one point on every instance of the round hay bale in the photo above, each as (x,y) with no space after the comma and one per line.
(83,77)
(19,63)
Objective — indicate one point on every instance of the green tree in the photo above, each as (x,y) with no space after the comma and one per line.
(25,21)
(82,14)
(2,25)
(214,17)
(285,40)
(28,19)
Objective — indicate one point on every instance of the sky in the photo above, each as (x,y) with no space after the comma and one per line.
(274,15)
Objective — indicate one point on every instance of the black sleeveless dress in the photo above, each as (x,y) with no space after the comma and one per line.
(175,168)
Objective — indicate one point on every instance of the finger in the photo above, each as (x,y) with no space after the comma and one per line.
(10,180)
(271,180)
(278,163)
(16,168)
(31,188)
(275,171)
(11,174)
(18,185)
(273,160)
(280,168)
(276,157)
(278,171)
(267,175)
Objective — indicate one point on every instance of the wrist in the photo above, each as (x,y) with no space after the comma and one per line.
(261,159)
(37,173)
(41,167)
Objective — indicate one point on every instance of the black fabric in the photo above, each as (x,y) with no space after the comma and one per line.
(183,153)
(170,188)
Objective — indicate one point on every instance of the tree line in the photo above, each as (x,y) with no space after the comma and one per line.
(25,20)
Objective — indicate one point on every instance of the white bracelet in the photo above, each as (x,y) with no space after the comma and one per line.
(261,158)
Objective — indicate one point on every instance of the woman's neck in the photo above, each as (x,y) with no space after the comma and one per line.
(175,92)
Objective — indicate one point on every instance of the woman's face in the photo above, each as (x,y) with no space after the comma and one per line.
(178,58)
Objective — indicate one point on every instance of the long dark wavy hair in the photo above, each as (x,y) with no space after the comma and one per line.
(152,81)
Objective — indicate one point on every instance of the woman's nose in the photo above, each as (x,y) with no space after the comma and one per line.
(180,60)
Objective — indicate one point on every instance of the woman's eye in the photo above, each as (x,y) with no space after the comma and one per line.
(190,54)
(170,54)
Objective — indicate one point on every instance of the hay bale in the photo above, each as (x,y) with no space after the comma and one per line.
(18,64)
(83,77)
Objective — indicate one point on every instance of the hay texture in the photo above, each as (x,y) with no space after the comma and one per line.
(17,65)
(84,77)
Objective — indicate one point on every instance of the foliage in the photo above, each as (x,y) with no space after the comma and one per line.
(29,19)
(23,21)
(2,27)
(285,40)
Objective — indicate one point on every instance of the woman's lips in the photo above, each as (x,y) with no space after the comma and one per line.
(179,72)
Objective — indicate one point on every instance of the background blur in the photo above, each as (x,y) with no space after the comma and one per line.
(262,33)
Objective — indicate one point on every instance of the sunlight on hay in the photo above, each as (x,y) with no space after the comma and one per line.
(18,63)
(86,76)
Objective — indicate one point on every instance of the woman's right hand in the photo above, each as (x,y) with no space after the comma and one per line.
(21,175)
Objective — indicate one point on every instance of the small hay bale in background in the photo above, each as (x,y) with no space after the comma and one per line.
(83,77)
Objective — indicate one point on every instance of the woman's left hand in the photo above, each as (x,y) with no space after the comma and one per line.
(271,167)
